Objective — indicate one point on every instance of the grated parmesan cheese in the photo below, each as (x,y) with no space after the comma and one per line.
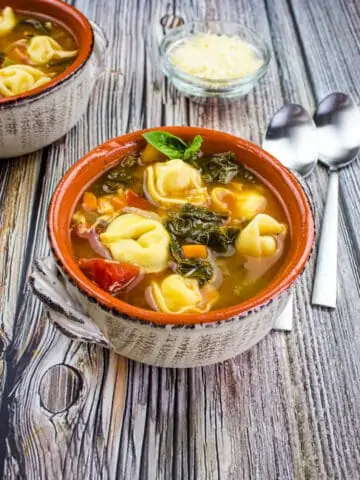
(215,57)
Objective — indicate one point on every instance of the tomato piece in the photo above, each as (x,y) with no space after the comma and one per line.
(109,275)
(134,200)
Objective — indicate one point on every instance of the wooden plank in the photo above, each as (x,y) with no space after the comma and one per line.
(18,180)
(65,397)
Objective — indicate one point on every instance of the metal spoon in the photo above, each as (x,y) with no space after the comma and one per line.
(291,138)
(338,122)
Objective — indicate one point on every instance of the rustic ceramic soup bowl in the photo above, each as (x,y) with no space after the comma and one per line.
(41,116)
(86,312)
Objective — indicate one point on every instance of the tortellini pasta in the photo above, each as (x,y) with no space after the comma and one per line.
(257,239)
(7,21)
(174,183)
(177,294)
(244,204)
(138,240)
(42,49)
(17,79)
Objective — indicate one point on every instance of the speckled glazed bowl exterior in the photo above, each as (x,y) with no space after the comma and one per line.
(156,338)
(37,118)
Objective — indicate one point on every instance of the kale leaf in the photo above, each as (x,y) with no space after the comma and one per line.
(120,175)
(222,168)
(197,268)
(218,168)
(202,226)
(198,225)
(202,213)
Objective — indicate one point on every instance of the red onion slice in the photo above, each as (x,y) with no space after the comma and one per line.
(95,243)
(150,299)
(143,213)
(217,278)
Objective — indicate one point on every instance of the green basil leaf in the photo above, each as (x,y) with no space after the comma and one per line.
(168,144)
(193,149)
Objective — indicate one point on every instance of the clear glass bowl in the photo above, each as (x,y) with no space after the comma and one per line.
(195,86)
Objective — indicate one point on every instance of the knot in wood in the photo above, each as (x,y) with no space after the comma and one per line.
(59,388)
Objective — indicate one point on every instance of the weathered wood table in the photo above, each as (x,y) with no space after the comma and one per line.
(287,409)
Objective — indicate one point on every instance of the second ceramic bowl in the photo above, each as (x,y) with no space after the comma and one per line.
(37,118)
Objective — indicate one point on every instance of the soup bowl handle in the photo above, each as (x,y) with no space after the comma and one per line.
(61,308)
(100,48)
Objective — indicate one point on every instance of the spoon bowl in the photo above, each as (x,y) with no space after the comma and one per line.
(291,137)
(337,119)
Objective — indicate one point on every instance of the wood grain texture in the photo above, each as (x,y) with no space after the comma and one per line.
(287,409)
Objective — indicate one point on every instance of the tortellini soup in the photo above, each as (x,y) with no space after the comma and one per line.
(177,230)
(33,51)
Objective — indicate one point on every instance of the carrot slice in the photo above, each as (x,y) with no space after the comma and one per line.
(89,201)
(117,202)
(195,251)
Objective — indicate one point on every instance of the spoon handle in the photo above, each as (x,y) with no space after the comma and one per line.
(324,288)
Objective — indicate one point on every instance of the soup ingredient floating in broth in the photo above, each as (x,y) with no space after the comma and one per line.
(43,49)
(215,57)
(171,146)
(202,226)
(258,238)
(198,267)
(179,227)
(7,21)
(175,183)
(176,294)
(110,276)
(138,240)
(32,52)
(16,79)
(239,201)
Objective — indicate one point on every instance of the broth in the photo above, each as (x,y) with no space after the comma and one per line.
(226,234)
